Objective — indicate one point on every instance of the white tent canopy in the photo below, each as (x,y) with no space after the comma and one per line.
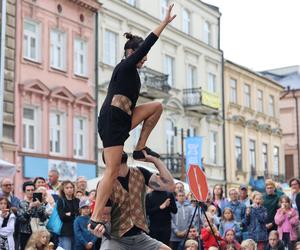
(6,169)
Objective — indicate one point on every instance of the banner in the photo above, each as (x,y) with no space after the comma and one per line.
(193,154)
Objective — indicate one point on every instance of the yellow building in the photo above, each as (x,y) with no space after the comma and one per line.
(252,129)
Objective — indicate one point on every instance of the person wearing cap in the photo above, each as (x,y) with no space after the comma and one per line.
(244,198)
(125,215)
(84,239)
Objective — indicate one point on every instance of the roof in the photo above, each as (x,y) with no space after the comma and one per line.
(213,7)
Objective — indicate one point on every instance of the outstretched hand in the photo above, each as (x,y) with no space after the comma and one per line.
(169,17)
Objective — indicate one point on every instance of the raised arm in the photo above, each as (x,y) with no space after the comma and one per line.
(168,18)
(164,181)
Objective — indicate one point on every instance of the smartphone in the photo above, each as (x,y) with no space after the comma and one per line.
(37,196)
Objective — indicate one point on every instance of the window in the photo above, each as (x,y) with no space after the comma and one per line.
(191,77)
(57,123)
(169,69)
(136,134)
(80,57)
(276,160)
(110,47)
(80,137)
(132,2)
(170,137)
(238,153)
(207,33)
(212,85)
(31,46)
(213,136)
(247,96)
(186,21)
(192,132)
(164,8)
(233,90)
(29,129)
(252,157)
(271,106)
(265,157)
(58,50)
(260,101)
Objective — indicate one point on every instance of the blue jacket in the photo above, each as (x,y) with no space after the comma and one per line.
(225,225)
(256,222)
(81,234)
(239,210)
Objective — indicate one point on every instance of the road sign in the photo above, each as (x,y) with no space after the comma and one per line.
(197,182)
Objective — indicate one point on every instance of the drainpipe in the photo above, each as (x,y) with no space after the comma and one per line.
(96,90)
(297,127)
(2,62)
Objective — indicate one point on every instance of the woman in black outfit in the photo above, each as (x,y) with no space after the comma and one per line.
(119,113)
(68,210)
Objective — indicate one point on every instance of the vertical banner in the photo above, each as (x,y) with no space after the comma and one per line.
(193,147)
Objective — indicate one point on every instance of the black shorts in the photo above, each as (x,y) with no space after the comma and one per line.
(114,126)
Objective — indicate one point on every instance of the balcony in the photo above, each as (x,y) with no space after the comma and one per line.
(196,99)
(154,84)
(269,175)
(173,163)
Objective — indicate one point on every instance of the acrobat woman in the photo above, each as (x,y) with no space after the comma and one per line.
(119,113)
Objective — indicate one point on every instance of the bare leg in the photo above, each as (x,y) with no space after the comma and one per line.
(113,161)
(149,113)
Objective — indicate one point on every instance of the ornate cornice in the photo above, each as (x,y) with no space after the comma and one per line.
(277,132)
(92,5)
(239,119)
(265,128)
(252,124)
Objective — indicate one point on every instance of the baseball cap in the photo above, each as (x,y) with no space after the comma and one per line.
(84,203)
(243,186)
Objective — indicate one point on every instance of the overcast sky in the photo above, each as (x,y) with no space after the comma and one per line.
(260,34)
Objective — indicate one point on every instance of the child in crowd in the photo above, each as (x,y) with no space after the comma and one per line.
(191,245)
(84,239)
(7,225)
(274,242)
(207,234)
(213,211)
(39,240)
(248,245)
(287,220)
(256,217)
(228,222)
(229,240)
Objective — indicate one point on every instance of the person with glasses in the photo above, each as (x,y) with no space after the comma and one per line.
(29,209)
(7,191)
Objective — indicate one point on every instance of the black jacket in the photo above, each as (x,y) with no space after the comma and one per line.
(280,246)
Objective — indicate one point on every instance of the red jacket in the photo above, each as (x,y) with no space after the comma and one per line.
(224,244)
(208,239)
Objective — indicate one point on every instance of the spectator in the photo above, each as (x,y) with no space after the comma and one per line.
(228,223)
(7,191)
(181,220)
(297,246)
(67,207)
(29,209)
(79,194)
(287,220)
(229,240)
(48,200)
(179,187)
(39,182)
(218,199)
(248,245)
(294,184)
(192,235)
(39,241)
(213,211)
(209,237)
(159,206)
(92,195)
(84,239)
(237,207)
(256,221)
(244,198)
(81,184)
(271,203)
(191,245)
(53,183)
(274,242)
(7,225)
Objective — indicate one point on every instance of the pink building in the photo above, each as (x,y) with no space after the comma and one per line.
(55,88)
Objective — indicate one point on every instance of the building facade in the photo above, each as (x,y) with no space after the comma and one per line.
(183,71)
(8,146)
(55,88)
(253,131)
(289,103)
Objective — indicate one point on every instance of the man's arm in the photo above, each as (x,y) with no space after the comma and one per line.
(164,181)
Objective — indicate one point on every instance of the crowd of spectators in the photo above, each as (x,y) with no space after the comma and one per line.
(243,220)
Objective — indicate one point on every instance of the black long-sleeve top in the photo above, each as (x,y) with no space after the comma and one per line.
(125,79)
(160,218)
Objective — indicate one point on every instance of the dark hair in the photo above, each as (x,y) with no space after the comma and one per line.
(133,42)
(38,178)
(222,191)
(294,179)
(7,202)
(123,159)
(286,198)
(62,187)
(26,184)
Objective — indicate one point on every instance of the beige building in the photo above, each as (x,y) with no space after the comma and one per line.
(253,132)
(184,72)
